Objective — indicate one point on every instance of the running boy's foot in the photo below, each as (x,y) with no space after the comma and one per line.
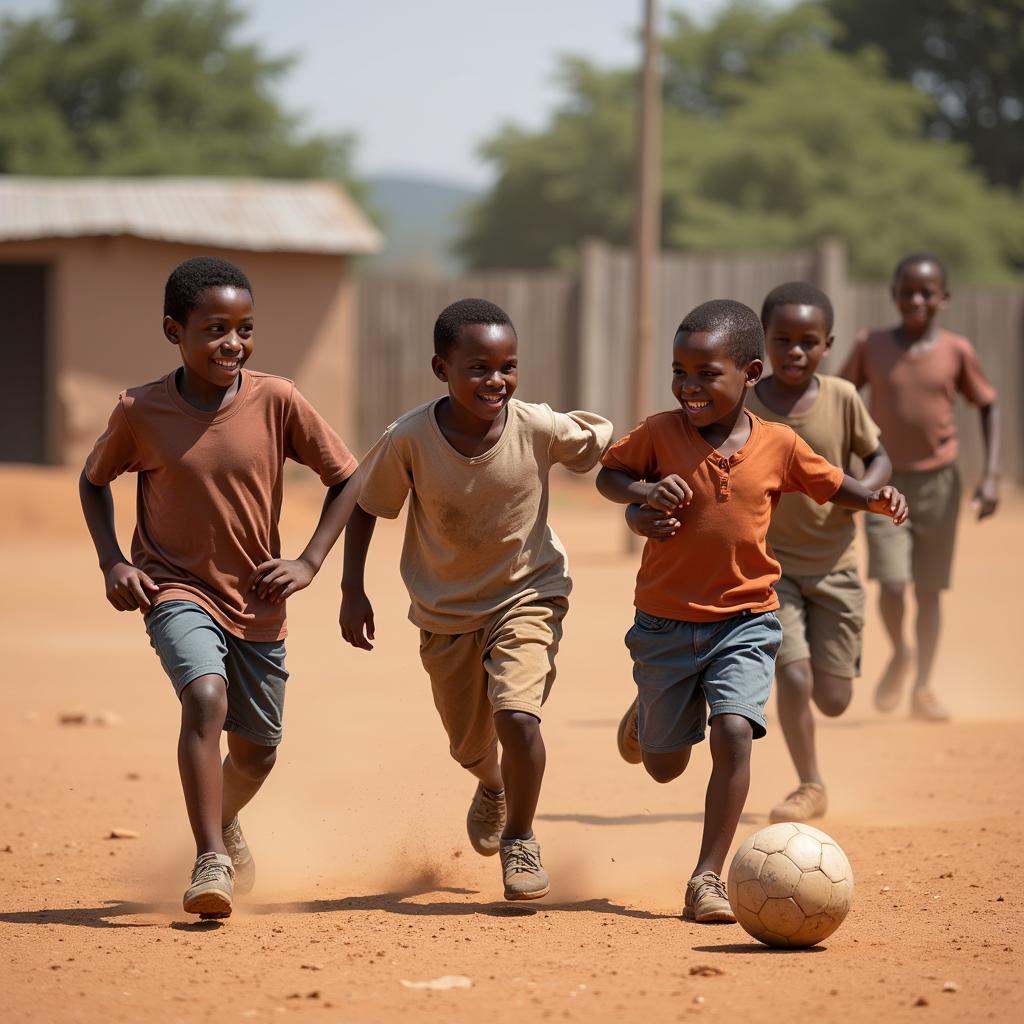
(890,686)
(706,899)
(925,705)
(486,820)
(241,857)
(525,877)
(807,801)
(210,891)
(629,736)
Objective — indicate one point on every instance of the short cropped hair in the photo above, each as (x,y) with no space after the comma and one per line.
(190,279)
(461,314)
(913,259)
(797,293)
(732,320)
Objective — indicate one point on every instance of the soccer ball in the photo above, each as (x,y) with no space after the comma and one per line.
(790,885)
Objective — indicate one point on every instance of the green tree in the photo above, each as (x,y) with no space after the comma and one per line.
(771,139)
(967,54)
(119,87)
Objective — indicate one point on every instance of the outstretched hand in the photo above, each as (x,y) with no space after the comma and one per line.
(279,578)
(651,522)
(129,588)
(887,501)
(356,619)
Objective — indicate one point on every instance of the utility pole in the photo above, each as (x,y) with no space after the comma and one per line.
(646,213)
(646,221)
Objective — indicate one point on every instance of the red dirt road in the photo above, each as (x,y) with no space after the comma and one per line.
(365,877)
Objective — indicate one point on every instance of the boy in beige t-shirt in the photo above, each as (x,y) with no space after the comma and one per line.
(486,575)
(208,443)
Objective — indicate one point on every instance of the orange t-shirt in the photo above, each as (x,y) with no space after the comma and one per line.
(210,488)
(718,564)
(912,393)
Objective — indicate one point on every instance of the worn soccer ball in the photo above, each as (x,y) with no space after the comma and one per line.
(790,885)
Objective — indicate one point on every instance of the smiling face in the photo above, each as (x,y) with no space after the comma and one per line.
(706,380)
(481,369)
(216,339)
(796,340)
(920,294)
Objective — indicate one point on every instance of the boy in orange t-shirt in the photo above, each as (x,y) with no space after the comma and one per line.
(706,478)
(208,443)
(915,371)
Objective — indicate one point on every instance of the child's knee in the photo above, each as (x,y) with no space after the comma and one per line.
(516,728)
(731,736)
(892,590)
(204,701)
(666,767)
(255,762)
(832,694)
(795,679)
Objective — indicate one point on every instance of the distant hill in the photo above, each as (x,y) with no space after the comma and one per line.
(420,221)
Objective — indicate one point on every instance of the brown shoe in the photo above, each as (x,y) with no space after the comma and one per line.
(525,877)
(629,736)
(890,686)
(706,899)
(486,820)
(807,801)
(925,706)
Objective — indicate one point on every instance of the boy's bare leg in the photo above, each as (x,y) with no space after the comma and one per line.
(731,738)
(929,622)
(245,769)
(892,605)
(664,767)
(794,691)
(487,770)
(523,759)
(204,706)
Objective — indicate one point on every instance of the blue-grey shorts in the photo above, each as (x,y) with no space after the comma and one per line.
(191,643)
(687,672)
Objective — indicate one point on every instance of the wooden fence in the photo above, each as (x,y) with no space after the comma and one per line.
(575,331)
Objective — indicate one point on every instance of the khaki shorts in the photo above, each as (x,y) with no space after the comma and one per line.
(822,619)
(507,666)
(921,549)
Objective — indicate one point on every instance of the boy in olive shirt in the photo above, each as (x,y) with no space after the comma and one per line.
(486,575)
(820,590)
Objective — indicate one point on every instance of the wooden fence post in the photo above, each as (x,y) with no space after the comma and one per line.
(831,275)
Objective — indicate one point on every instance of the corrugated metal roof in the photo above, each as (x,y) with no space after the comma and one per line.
(232,213)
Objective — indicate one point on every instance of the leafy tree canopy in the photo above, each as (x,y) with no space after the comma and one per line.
(138,87)
(771,138)
(967,54)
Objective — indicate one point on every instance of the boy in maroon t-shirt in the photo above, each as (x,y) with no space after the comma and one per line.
(208,443)
(915,371)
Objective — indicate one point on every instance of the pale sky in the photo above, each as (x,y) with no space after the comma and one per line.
(423,82)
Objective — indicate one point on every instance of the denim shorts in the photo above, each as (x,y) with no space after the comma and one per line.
(191,643)
(687,672)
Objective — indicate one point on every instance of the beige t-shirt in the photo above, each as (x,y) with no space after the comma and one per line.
(477,538)
(210,486)
(810,539)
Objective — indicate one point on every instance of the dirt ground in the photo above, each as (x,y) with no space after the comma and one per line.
(365,877)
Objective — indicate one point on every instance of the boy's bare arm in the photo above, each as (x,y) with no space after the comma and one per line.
(667,494)
(276,579)
(356,616)
(883,501)
(128,588)
(986,494)
(877,469)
